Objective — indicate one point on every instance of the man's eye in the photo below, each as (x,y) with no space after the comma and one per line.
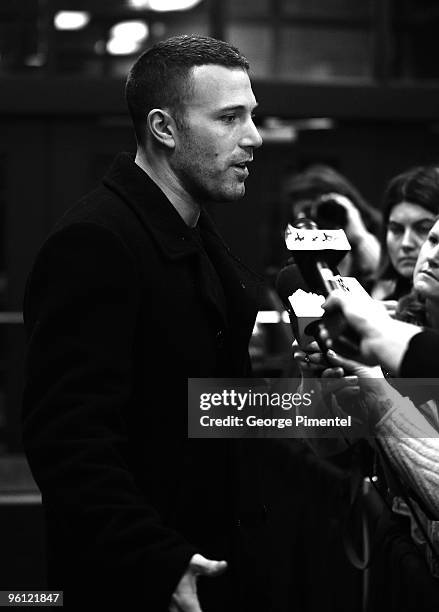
(228,118)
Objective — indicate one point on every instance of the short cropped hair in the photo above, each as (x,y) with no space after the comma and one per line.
(160,77)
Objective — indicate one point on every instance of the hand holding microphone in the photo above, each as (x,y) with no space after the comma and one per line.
(383,340)
(366,316)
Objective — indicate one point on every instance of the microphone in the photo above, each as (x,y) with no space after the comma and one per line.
(289,280)
(293,289)
(316,254)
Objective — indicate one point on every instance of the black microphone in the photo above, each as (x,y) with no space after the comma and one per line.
(316,254)
(304,327)
(288,281)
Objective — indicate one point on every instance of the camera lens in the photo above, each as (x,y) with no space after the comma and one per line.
(331,215)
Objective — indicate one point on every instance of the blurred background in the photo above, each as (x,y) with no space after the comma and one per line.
(349,83)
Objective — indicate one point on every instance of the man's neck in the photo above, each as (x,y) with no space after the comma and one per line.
(165,179)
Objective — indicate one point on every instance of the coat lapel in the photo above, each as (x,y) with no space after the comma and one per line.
(216,276)
(242,287)
(151,206)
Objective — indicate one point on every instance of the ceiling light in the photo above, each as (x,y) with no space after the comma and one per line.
(172,5)
(139,4)
(130,30)
(162,6)
(71,20)
(122,46)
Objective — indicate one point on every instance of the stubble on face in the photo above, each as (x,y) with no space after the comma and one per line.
(213,140)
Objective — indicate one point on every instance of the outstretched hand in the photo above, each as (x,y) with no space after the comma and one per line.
(185,598)
(369,319)
(314,364)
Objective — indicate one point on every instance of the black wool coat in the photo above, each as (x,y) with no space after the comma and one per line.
(121,307)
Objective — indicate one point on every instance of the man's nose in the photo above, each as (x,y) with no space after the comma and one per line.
(251,136)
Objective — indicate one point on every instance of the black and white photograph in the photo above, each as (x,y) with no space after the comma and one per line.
(219,305)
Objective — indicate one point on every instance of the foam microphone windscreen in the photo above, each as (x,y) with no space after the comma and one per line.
(288,281)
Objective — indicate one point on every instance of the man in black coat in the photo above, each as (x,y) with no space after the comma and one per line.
(134,292)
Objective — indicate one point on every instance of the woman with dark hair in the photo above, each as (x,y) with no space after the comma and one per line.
(411,203)
(328,198)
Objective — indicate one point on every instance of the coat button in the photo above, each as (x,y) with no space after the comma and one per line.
(220,337)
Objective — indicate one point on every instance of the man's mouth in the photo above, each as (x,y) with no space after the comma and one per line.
(241,169)
(243,163)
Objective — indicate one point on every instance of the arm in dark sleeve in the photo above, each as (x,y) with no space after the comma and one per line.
(421,357)
(80,316)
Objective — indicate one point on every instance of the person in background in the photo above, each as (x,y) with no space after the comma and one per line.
(411,203)
(327,197)
(405,346)
(405,431)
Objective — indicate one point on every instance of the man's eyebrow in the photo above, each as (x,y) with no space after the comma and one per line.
(236,107)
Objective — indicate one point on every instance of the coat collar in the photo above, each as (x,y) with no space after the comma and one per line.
(157,214)
(174,238)
(151,206)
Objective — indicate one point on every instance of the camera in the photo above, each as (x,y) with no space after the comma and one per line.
(325,211)
(329,214)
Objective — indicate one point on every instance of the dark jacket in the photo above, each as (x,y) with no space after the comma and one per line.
(420,358)
(121,307)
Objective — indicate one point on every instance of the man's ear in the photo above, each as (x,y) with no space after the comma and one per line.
(162,126)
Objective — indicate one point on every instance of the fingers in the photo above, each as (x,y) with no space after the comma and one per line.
(324,337)
(390,306)
(340,382)
(311,365)
(310,347)
(201,566)
(333,373)
(184,598)
(337,197)
(337,360)
(185,603)
(310,359)
(359,370)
